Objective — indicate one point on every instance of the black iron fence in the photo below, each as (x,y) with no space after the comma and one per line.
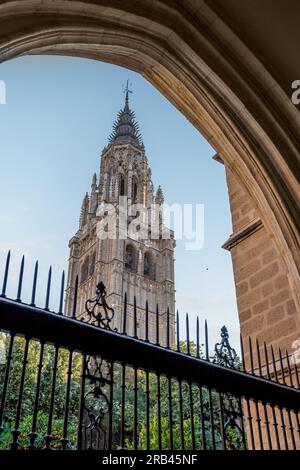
(70,384)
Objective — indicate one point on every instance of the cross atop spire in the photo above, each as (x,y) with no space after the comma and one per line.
(126,90)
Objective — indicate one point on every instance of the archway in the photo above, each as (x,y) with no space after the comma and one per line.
(205,70)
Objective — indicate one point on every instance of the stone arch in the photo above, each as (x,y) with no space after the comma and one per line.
(192,56)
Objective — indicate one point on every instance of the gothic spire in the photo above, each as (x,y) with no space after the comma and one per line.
(125,128)
(159,197)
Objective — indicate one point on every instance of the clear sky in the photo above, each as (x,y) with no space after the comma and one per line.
(58,115)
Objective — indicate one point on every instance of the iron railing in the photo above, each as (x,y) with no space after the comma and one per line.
(71,384)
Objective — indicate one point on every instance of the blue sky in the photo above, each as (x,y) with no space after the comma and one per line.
(58,115)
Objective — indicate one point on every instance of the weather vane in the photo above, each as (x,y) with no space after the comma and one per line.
(126,89)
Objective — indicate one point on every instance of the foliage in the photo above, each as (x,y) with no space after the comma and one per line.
(205,404)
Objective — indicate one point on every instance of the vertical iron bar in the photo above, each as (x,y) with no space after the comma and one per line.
(123,407)
(181,414)
(48,288)
(125,314)
(65,439)
(75,298)
(48,438)
(81,403)
(274,364)
(197,338)
(158,411)
(3,293)
(223,436)
(211,417)
(242,423)
(192,417)
(298,386)
(111,406)
(297,375)
(62,289)
(18,299)
(157,325)
(147,411)
(283,426)
(275,424)
(33,434)
(170,412)
(168,328)
(249,415)
(206,342)
(177,331)
(266,419)
(257,419)
(134,318)
(147,322)
(135,416)
(5,381)
(187,334)
(202,418)
(34,284)
(291,428)
(16,431)
(292,385)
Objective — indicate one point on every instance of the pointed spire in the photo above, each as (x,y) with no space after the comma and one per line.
(125,128)
(84,211)
(94,183)
(159,197)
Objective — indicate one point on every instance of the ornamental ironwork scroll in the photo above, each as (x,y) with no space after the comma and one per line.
(230,406)
(98,379)
(97,311)
(96,403)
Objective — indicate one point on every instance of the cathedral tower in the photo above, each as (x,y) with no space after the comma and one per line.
(141,263)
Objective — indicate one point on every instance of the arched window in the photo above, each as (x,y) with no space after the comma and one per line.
(130,257)
(149,266)
(92,264)
(122,186)
(84,269)
(134,191)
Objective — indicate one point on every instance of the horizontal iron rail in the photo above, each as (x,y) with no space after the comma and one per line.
(35,323)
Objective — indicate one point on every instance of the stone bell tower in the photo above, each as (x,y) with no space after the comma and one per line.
(140,264)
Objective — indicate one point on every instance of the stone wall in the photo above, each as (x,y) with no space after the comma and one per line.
(266,308)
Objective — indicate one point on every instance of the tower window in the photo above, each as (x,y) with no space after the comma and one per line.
(149,267)
(134,192)
(85,269)
(130,257)
(122,186)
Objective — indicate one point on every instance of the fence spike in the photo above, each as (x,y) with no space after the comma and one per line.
(206,342)
(187,334)
(251,355)
(3,294)
(242,353)
(135,318)
(168,328)
(75,297)
(274,364)
(157,325)
(177,331)
(48,288)
(147,322)
(125,314)
(36,267)
(18,299)
(197,338)
(62,288)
